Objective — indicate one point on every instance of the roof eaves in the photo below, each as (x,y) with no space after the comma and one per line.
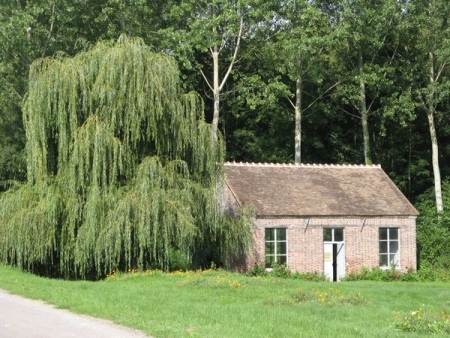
(334,216)
(399,192)
(233,193)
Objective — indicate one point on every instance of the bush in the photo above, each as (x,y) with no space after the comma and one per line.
(256,271)
(377,274)
(280,270)
(434,274)
(433,229)
(429,274)
(283,271)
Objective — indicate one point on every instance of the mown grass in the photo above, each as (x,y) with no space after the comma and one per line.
(222,304)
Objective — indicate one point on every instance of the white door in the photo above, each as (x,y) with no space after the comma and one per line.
(328,260)
(334,254)
(340,261)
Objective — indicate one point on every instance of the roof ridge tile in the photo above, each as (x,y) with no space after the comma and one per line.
(304,165)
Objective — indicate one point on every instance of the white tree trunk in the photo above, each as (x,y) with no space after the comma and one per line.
(435,162)
(217,86)
(434,142)
(364,113)
(298,119)
(216,91)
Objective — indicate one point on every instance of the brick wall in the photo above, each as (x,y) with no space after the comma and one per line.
(305,241)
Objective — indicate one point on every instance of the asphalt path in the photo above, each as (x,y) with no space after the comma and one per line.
(25,318)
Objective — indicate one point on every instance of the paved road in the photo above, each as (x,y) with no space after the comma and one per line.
(24,318)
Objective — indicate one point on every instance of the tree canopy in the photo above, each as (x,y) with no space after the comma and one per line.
(123,171)
(316,81)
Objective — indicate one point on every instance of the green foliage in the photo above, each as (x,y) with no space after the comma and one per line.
(234,236)
(377,274)
(122,168)
(280,270)
(424,321)
(283,271)
(426,274)
(257,271)
(433,229)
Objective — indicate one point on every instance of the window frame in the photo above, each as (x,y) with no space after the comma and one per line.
(334,235)
(389,252)
(275,241)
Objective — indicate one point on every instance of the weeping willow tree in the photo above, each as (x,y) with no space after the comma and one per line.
(122,168)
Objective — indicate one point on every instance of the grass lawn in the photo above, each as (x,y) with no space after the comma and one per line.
(222,304)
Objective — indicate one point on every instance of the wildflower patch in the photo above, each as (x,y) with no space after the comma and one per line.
(329,296)
(205,277)
(424,321)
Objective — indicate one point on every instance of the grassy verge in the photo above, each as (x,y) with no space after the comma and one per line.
(221,304)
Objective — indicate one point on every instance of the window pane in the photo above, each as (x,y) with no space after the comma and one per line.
(270,234)
(270,248)
(281,234)
(281,259)
(397,258)
(383,233)
(393,246)
(393,259)
(338,235)
(383,260)
(383,247)
(327,235)
(393,233)
(281,248)
(269,261)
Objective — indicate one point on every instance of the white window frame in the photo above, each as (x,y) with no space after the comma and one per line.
(275,241)
(388,240)
(333,235)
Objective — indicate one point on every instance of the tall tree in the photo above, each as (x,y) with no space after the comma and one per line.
(214,27)
(300,51)
(427,51)
(122,167)
(366,58)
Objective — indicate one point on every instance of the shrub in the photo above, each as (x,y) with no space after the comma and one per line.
(377,274)
(433,229)
(256,271)
(433,274)
(310,276)
(429,274)
(280,270)
(283,271)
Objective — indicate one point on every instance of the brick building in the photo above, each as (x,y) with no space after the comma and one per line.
(329,219)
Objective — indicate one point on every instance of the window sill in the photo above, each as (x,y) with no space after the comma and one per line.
(397,268)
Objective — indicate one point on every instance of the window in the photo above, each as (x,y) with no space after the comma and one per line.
(276,246)
(333,235)
(389,248)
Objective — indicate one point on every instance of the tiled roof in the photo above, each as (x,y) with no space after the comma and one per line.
(316,190)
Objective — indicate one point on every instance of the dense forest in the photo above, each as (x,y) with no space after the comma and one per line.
(304,81)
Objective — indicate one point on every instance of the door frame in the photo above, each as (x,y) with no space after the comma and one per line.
(334,253)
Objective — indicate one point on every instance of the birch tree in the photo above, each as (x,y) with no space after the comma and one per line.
(366,59)
(214,27)
(300,51)
(428,53)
